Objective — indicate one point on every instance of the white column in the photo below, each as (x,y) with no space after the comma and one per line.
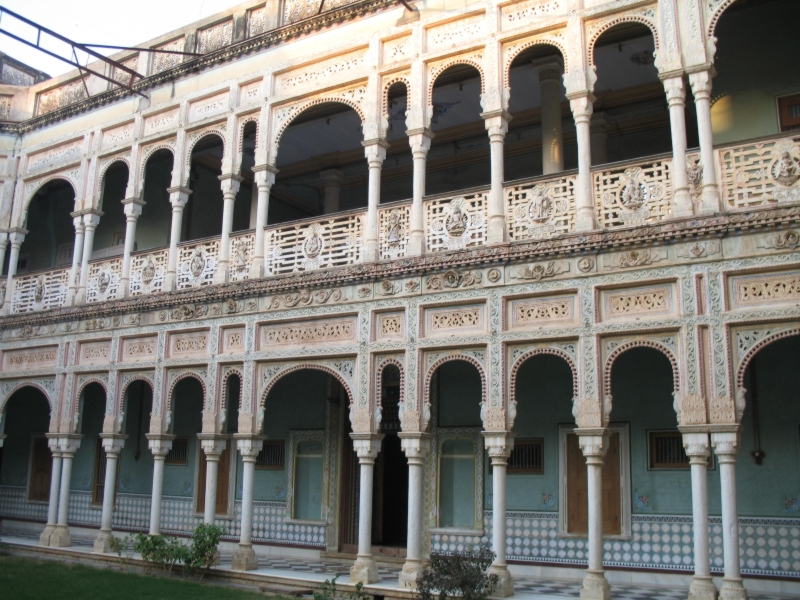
(585,217)
(415,446)
(133,210)
(726,447)
(375,151)
(160,445)
(499,446)
(701,89)
(367,447)
(697,449)
(244,559)
(3,246)
(55,486)
(264,178)
(594,443)
(551,73)
(598,132)
(16,236)
(77,253)
(332,185)
(90,222)
(178,197)
(230,187)
(676,99)
(112,444)
(496,123)
(213,446)
(420,142)
(68,445)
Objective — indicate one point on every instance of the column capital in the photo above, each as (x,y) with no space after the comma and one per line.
(499,445)
(725,441)
(367,446)
(415,445)
(696,445)
(69,443)
(113,442)
(249,445)
(230,183)
(92,218)
(264,175)
(581,105)
(593,443)
(675,90)
(551,68)
(419,139)
(331,177)
(375,151)
(701,83)
(179,196)
(598,123)
(496,122)
(16,235)
(160,444)
(213,444)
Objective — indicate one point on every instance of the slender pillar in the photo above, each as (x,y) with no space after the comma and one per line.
(55,486)
(676,98)
(160,445)
(420,142)
(90,222)
(375,151)
(213,446)
(499,446)
(415,446)
(585,217)
(367,446)
(112,444)
(77,253)
(332,185)
(16,236)
(68,445)
(178,197)
(264,178)
(726,447)
(496,123)
(244,559)
(133,210)
(701,89)
(697,449)
(550,76)
(594,443)
(598,132)
(3,246)
(230,187)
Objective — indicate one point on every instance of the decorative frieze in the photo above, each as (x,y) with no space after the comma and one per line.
(118,135)
(94,353)
(637,302)
(634,258)
(188,344)
(250,93)
(453,279)
(215,37)
(308,332)
(455,320)
(161,121)
(138,349)
(257,21)
(536,312)
(208,107)
(64,153)
(321,74)
(539,271)
(308,298)
(772,288)
(397,49)
(162,62)
(233,340)
(452,34)
(30,358)
(65,94)
(390,326)
(522,13)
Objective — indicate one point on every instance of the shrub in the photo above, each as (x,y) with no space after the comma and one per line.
(160,551)
(328,592)
(123,550)
(458,574)
(203,551)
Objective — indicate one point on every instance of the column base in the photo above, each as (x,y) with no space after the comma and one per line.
(364,570)
(585,221)
(44,538)
(682,204)
(709,202)
(407,579)
(102,543)
(702,588)
(595,586)
(61,537)
(244,559)
(371,254)
(496,232)
(416,244)
(733,589)
(505,582)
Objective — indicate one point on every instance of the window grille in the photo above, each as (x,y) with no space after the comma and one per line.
(179,454)
(527,456)
(666,451)
(271,455)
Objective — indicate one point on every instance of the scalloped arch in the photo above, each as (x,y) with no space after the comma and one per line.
(379,378)
(740,371)
(24,384)
(146,156)
(715,16)
(193,141)
(538,352)
(126,160)
(124,389)
(676,379)
(385,93)
(294,368)
(542,41)
(178,379)
(613,21)
(224,391)
(452,357)
(242,125)
(44,182)
(434,74)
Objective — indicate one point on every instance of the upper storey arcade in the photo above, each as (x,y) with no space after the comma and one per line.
(482,124)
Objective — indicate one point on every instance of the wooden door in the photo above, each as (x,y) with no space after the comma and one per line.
(351,475)
(41,469)
(223,480)
(577,488)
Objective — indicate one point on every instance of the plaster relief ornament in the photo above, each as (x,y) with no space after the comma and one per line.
(585,264)
(395,232)
(240,255)
(457,221)
(198,263)
(632,195)
(538,272)
(313,244)
(540,209)
(199,268)
(785,170)
(454,279)
(694,174)
(2,292)
(39,289)
(148,271)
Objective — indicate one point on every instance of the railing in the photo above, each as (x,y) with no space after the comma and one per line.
(40,291)
(756,173)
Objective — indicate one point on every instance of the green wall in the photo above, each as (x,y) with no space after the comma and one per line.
(93,409)
(459,394)
(187,402)
(27,412)
(49,225)
(136,476)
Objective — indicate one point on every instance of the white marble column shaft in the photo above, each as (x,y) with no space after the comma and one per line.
(420,142)
(594,444)
(178,197)
(697,449)
(416,447)
(701,89)
(496,123)
(366,447)
(133,210)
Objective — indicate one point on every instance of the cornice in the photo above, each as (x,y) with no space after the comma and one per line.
(574,244)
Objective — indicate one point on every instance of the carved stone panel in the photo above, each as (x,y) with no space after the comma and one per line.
(452,320)
(207,107)
(118,135)
(304,333)
(94,353)
(455,33)
(397,49)
(390,326)
(161,121)
(186,345)
(65,153)
(250,92)
(232,340)
(770,288)
(532,313)
(650,301)
(322,74)
(30,358)
(138,349)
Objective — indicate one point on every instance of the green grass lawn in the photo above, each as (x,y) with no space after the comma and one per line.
(23,578)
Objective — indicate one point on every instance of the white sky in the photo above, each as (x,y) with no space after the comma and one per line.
(122,23)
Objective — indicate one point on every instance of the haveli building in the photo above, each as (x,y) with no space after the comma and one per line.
(554,310)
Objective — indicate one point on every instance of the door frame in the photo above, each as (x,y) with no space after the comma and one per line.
(623,429)
(229,514)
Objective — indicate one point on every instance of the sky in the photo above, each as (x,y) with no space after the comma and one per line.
(121,23)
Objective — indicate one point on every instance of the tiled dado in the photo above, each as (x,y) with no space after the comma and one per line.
(132,512)
(769,546)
